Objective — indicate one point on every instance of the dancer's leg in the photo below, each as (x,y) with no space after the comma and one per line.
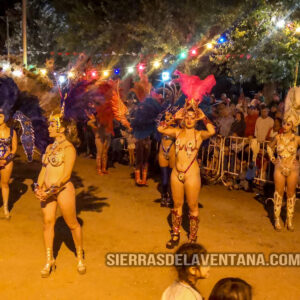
(5,176)
(292,182)
(279,181)
(49,212)
(67,204)
(192,187)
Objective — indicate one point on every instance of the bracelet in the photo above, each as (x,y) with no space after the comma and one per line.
(36,187)
(206,121)
(9,158)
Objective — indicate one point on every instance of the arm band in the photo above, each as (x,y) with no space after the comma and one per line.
(9,158)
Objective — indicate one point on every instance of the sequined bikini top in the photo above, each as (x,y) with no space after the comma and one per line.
(55,155)
(286,147)
(5,143)
(189,147)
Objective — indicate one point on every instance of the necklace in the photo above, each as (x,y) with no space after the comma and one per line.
(56,143)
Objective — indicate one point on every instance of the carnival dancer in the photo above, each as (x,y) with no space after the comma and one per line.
(112,108)
(8,148)
(10,99)
(54,188)
(286,171)
(166,159)
(102,142)
(185,177)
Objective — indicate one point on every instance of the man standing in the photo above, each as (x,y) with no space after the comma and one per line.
(263,125)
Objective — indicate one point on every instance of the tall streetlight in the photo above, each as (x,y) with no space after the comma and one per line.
(24,33)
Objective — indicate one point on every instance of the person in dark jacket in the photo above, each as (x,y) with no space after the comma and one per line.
(238,126)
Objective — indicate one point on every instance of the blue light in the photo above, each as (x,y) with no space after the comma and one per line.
(117,71)
(62,79)
(222,40)
(165,76)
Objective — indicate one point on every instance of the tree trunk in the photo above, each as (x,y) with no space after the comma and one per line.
(268,90)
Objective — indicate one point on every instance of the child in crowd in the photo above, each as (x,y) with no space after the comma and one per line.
(184,288)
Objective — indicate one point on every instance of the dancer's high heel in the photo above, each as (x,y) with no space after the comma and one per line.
(6,212)
(50,264)
(81,268)
(174,241)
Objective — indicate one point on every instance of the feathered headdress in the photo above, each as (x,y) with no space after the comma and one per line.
(194,88)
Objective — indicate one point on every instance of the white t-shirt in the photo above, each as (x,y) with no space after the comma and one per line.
(180,291)
(262,127)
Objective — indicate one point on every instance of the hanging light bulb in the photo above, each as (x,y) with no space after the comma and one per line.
(156,64)
(130,70)
(209,45)
(106,73)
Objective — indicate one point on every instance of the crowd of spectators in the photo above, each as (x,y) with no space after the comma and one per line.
(246,127)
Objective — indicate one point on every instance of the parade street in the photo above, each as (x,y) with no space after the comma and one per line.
(117,216)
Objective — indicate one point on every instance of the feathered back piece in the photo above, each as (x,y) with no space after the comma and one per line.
(24,108)
(8,95)
(292,106)
(195,88)
(112,108)
(142,88)
(144,118)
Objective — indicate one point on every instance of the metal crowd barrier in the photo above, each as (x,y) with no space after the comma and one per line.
(235,156)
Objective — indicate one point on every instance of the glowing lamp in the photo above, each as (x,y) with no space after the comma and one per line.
(61,79)
(17,73)
(141,67)
(105,73)
(193,51)
(117,71)
(165,76)
(280,23)
(71,74)
(43,72)
(130,70)
(182,55)
(222,40)
(165,60)
(209,46)
(156,64)
(6,66)
(94,74)
(298,29)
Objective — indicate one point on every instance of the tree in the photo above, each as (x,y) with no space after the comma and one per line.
(43,26)
(264,45)
(150,28)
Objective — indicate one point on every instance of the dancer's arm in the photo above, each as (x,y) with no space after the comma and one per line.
(170,131)
(205,134)
(14,143)
(270,149)
(70,156)
(91,123)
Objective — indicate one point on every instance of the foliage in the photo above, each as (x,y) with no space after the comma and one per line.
(257,47)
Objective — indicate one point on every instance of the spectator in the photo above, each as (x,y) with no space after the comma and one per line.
(250,121)
(255,101)
(263,124)
(225,99)
(238,126)
(184,288)
(273,111)
(277,128)
(231,289)
(275,100)
(224,121)
(261,97)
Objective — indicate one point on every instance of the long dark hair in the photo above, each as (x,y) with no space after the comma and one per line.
(189,251)
(231,289)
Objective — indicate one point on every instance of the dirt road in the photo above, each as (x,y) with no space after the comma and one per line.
(117,216)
